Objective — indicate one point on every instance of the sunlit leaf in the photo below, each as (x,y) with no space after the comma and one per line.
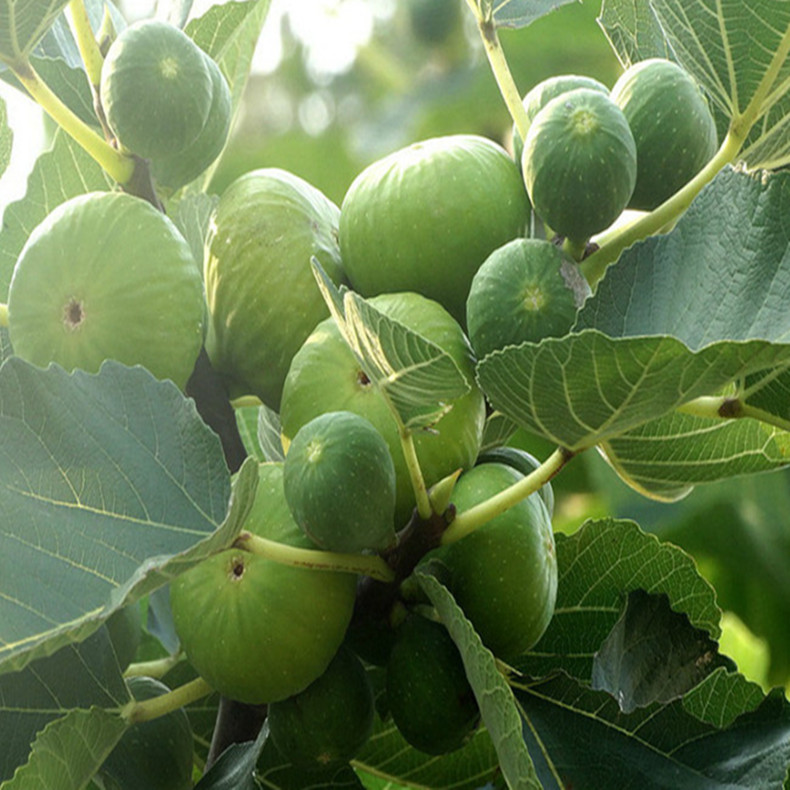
(520,13)
(22,25)
(6,138)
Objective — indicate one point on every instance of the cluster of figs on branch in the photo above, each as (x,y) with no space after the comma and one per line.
(433,237)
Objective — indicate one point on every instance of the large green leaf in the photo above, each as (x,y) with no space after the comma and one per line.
(6,138)
(23,24)
(679,316)
(418,379)
(68,751)
(598,565)
(62,173)
(714,738)
(77,677)
(715,41)
(665,458)
(111,485)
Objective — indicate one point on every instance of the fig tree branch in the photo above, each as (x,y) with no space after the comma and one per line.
(89,48)
(146,710)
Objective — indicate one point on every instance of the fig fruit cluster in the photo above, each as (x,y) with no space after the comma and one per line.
(590,153)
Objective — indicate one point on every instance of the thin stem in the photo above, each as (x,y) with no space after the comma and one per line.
(612,244)
(575,249)
(246,400)
(468,521)
(724,408)
(705,406)
(763,416)
(148,709)
(502,74)
(415,473)
(153,669)
(119,166)
(86,41)
(3,315)
(365,564)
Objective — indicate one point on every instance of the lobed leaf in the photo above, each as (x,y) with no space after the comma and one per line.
(77,677)
(581,738)
(519,13)
(67,753)
(111,485)
(598,565)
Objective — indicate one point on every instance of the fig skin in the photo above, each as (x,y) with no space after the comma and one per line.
(256,630)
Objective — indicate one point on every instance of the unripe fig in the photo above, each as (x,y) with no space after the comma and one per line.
(330,721)
(156,754)
(524,291)
(340,483)
(424,218)
(156,89)
(673,128)
(107,276)
(262,297)
(325,376)
(428,694)
(542,93)
(579,163)
(257,630)
(504,574)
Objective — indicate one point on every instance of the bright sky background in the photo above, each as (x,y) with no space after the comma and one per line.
(331,29)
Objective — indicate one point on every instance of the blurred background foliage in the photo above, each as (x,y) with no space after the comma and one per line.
(421,72)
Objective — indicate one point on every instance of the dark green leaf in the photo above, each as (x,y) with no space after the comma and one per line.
(76,677)
(581,738)
(62,173)
(598,565)
(494,697)
(235,767)
(111,485)
(652,654)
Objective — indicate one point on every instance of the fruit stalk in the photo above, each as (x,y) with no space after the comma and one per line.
(149,709)
(119,166)
(415,473)
(153,669)
(727,408)
(501,70)
(468,521)
(315,559)
(613,243)
(89,48)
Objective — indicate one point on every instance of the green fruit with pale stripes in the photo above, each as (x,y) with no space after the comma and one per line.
(425,218)
(340,483)
(107,276)
(258,630)
(542,93)
(156,89)
(579,163)
(525,291)
(673,128)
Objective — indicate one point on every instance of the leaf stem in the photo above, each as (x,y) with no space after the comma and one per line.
(148,709)
(86,41)
(501,70)
(246,400)
(612,244)
(468,521)
(724,408)
(119,166)
(365,564)
(421,497)
(153,669)
(3,315)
